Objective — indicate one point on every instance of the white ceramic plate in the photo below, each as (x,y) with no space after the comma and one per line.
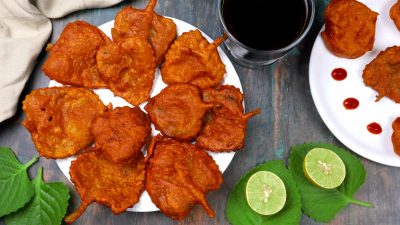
(222,159)
(350,126)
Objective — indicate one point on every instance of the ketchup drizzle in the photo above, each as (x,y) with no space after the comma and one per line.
(374,128)
(350,103)
(339,74)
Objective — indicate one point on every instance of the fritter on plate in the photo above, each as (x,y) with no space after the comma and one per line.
(115,185)
(129,68)
(396,135)
(191,59)
(395,14)
(72,60)
(226,123)
(178,176)
(58,119)
(121,133)
(349,28)
(383,74)
(177,111)
(158,30)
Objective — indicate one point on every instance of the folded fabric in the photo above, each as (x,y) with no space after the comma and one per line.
(24,30)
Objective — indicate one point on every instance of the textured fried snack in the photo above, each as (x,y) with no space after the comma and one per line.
(396,135)
(383,75)
(178,176)
(395,14)
(226,123)
(121,133)
(191,59)
(72,60)
(158,30)
(349,28)
(116,185)
(58,119)
(128,67)
(177,111)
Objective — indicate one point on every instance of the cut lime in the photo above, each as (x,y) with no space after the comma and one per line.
(324,168)
(265,193)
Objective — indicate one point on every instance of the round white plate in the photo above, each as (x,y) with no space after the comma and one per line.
(350,126)
(222,159)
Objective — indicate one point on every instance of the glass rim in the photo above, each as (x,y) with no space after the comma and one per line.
(309,21)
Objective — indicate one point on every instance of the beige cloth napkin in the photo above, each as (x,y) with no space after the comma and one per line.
(24,30)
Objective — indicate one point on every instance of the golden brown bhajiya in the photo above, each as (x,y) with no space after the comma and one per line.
(383,74)
(349,28)
(396,135)
(158,30)
(177,111)
(72,60)
(178,176)
(129,68)
(121,133)
(225,128)
(192,60)
(58,119)
(115,185)
(395,14)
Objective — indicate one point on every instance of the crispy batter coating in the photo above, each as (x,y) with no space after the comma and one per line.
(115,185)
(72,60)
(191,59)
(383,74)
(226,123)
(121,133)
(396,135)
(177,111)
(178,176)
(158,30)
(129,68)
(58,119)
(395,14)
(349,28)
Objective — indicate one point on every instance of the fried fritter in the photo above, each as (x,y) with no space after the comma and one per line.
(115,185)
(58,119)
(129,68)
(225,128)
(191,59)
(178,176)
(121,133)
(396,135)
(72,60)
(349,28)
(158,30)
(395,14)
(383,74)
(177,111)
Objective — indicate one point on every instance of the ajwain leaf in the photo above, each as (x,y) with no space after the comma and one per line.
(321,204)
(15,187)
(48,207)
(239,213)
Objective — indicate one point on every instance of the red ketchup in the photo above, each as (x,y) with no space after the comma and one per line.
(339,74)
(350,103)
(374,128)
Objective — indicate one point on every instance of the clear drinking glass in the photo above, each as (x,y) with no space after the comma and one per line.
(250,57)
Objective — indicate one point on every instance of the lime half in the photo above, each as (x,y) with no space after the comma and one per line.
(265,193)
(324,168)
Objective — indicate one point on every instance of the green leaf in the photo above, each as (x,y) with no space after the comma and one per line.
(321,204)
(15,187)
(48,207)
(239,213)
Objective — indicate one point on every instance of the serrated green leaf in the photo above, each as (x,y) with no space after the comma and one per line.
(48,207)
(321,204)
(239,213)
(15,187)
